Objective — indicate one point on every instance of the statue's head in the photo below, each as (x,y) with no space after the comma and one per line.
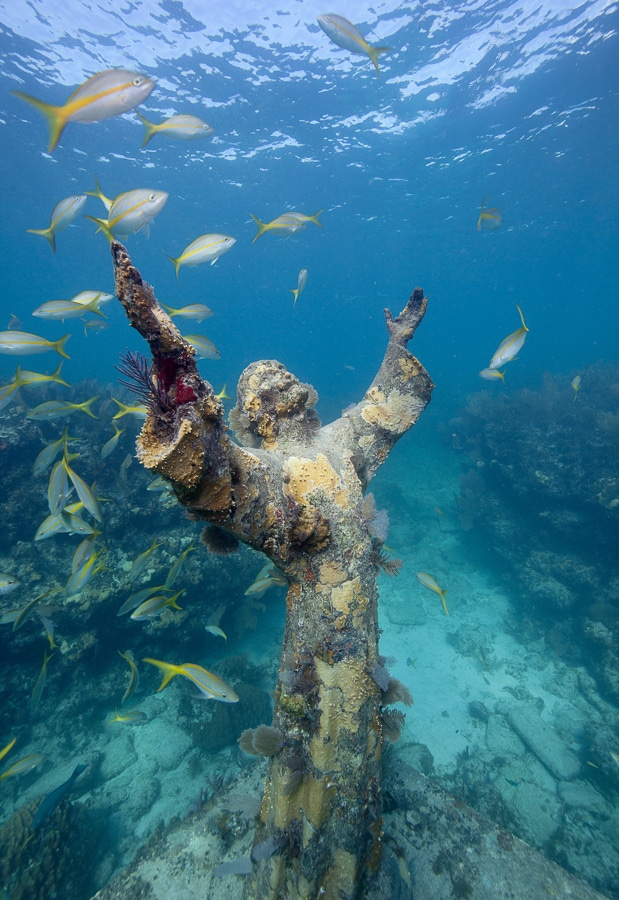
(271,405)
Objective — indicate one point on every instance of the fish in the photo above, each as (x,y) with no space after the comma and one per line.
(8,584)
(104,95)
(82,552)
(138,410)
(132,715)
(65,212)
(14,322)
(48,626)
(576,385)
(268,576)
(429,582)
(509,348)
(184,127)
(222,395)
(49,453)
(39,685)
(23,765)
(138,564)
(196,311)
(615,757)
(344,34)
(203,346)
(79,580)
(66,309)
(7,749)
(301,282)
(492,375)
(53,799)
(216,630)
(98,193)
(85,298)
(110,445)
(154,606)
(284,224)
(134,600)
(64,522)
(24,377)
(301,217)
(490,219)
(85,494)
(134,680)
(22,343)
(59,488)
(130,212)
(211,686)
(54,409)
(206,248)
(177,566)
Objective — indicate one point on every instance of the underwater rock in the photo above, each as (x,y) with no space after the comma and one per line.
(544,742)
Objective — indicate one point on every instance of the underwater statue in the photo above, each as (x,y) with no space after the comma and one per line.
(294,490)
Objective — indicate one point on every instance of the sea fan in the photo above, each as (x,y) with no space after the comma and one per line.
(393,722)
(140,379)
(388,564)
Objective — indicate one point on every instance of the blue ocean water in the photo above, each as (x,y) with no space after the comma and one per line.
(514,101)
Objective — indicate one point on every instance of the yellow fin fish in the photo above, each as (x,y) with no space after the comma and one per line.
(346,35)
(222,395)
(576,385)
(211,686)
(206,248)
(7,749)
(509,348)
(490,219)
(428,582)
(492,375)
(135,675)
(301,282)
(23,765)
(106,94)
(183,127)
(285,224)
(154,606)
(132,715)
(139,410)
(65,212)
(39,685)
(22,343)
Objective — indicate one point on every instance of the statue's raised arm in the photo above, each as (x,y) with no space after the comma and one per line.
(294,490)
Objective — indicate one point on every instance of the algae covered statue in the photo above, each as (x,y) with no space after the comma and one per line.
(295,491)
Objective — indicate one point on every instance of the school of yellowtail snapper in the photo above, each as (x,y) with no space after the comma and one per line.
(107,94)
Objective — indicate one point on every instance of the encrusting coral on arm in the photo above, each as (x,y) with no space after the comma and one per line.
(294,490)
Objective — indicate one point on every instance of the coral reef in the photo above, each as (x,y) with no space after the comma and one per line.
(542,486)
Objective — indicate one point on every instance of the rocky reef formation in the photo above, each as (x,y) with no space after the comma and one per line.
(541,483)
(294,490)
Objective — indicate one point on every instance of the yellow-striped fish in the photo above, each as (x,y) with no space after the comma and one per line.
(285,224)
(211,686)
(301,282)
(134,680)
(106,94)
(39,685)
(206,248)
(428,582)
(63,214)
(183,127)
(22,343)
(490,219)
(510,347)
(344,34)
(154,606)
(132,715)
(198,312)
(131,211)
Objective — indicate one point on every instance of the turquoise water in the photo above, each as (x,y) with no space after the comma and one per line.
(514,102)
